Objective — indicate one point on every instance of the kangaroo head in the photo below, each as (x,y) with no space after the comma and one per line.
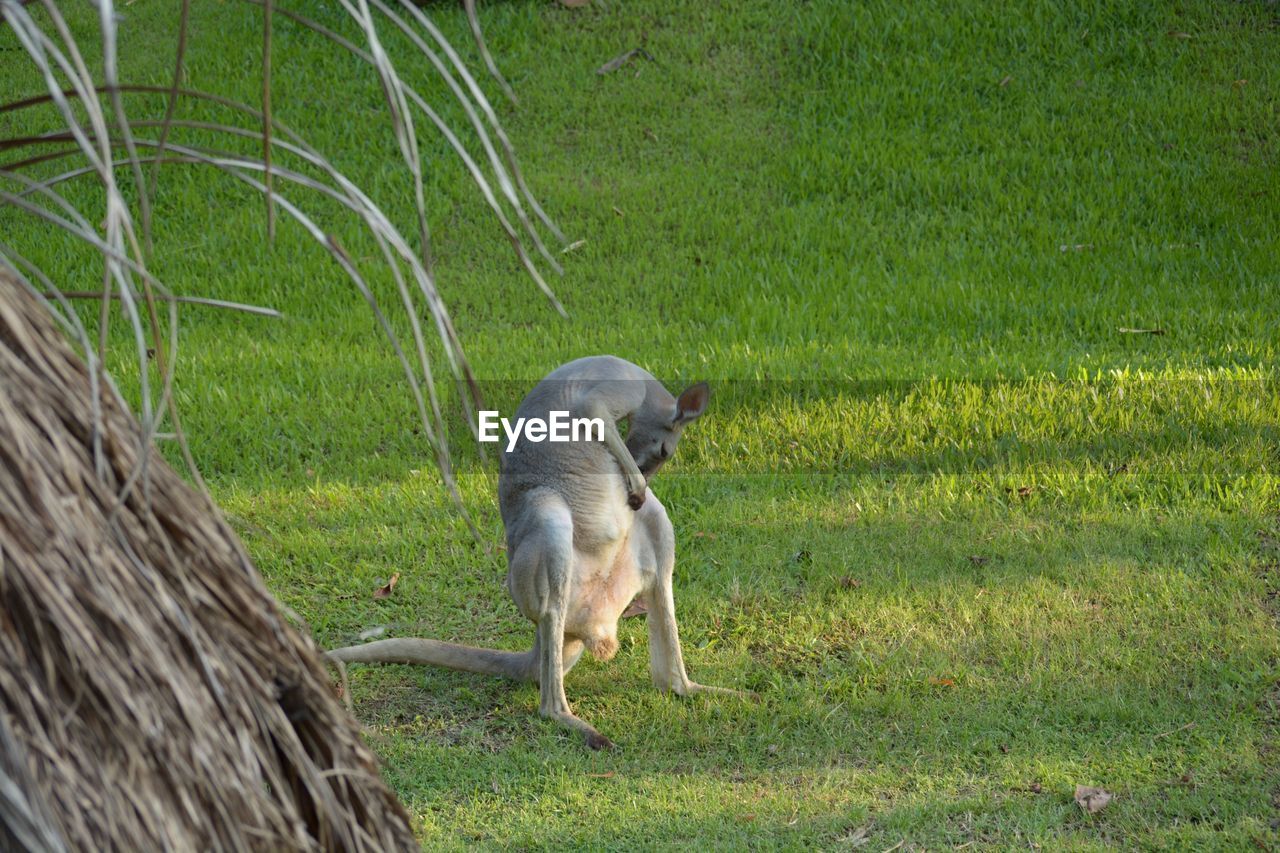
(655,429)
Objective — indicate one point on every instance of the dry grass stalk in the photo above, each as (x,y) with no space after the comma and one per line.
(108,133)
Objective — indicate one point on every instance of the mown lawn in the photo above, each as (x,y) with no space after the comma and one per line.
(972,543)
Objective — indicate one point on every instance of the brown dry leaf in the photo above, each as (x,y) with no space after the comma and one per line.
(635,608)
(979,560)
(850,582)
(1006,80)
(1092,800)
(943,682)
(385,591)
(749,816)
(608,775)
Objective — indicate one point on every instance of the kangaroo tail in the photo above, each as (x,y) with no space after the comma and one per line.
(521,666)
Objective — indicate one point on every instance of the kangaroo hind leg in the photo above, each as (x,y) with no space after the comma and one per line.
(540,577)
(658,550)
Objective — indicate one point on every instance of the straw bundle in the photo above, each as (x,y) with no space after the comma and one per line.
(152,694)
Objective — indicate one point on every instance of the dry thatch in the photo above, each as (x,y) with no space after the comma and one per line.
(152,694)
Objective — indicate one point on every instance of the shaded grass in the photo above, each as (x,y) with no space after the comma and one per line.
(959,596)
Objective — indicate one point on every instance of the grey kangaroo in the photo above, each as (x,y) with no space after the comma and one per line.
(585,536)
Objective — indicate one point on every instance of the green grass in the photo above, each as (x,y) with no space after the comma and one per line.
(972,544)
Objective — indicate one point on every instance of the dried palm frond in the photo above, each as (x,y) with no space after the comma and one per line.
(107,130)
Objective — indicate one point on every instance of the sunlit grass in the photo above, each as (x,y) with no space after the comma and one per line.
(973,544)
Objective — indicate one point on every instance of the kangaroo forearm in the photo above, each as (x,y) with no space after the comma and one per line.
(520,666)
(613,440)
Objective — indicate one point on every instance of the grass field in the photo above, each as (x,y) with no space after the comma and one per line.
(972,543)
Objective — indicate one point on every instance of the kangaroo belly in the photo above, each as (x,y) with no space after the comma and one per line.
(603,586)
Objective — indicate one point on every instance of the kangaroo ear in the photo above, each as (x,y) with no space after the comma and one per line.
(692,402)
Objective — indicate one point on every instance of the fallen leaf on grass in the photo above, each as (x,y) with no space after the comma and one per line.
(1092,800)
(1006,80)
(608,775)
(850,582)
(1074,247)
(942,682)
(576,244)
(385,591)
(1125,331)
(978,559)
(1178,34)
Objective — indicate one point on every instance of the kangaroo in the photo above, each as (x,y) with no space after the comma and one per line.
(585,537)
